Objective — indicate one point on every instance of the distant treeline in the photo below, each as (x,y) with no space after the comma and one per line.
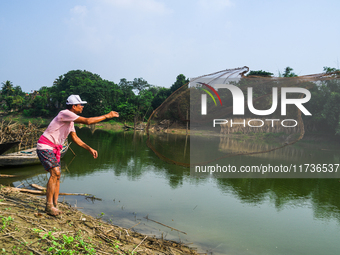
(325,104)
(325,100)
(132,99)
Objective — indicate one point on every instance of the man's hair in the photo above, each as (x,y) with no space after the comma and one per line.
(69,106)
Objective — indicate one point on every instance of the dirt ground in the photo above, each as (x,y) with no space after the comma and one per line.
(26,229)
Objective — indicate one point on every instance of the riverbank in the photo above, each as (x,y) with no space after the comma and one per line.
(112,125)
(26,228)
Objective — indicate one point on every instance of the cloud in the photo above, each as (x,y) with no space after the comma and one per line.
(83,32)
(214,5)
(78,15)
(148,6)
(79,10)
(102,25)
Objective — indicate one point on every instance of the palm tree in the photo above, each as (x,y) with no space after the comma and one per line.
(7,88)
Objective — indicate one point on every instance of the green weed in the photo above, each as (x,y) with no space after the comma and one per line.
(6,221)
(101,215)
(65,245)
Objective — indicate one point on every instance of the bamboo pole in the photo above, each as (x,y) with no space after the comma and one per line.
(187,122)
(43,192)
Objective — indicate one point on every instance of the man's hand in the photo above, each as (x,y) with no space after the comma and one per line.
(94,153)
(112,114)
(79,142)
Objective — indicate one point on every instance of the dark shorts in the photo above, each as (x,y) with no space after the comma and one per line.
(48,159)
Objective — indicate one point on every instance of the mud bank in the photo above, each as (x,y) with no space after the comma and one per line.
(26,229)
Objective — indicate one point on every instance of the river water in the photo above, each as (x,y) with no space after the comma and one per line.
(220,216)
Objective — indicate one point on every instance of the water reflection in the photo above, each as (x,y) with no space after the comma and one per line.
(321,193)
(23,175)
(126,154)
(219,214)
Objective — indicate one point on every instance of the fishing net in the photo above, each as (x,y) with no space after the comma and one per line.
(227,114)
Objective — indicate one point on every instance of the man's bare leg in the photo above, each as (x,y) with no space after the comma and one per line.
(56,192)
(52,191)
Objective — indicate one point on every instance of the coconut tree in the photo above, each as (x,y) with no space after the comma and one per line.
(7,88)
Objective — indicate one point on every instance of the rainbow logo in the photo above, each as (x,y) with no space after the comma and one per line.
(213,90)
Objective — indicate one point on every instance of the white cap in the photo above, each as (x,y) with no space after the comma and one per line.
(74,99)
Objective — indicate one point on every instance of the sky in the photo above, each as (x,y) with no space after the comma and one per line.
(159,39)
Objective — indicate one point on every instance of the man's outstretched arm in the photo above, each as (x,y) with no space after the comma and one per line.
(79,142)
(94,120)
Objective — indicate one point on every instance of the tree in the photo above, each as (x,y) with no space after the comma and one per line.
(325,104)
(327,69)
(7,88)
(288,72)
(129,98)
(260,73)
(140,84)
(126,101)
(99,93)
(331,112)
(180,81)
(161,95)
(126,88)
(13,97)
(144,96)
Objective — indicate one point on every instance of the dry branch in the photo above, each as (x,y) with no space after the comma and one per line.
(164,225)
(139,244)
(27,135)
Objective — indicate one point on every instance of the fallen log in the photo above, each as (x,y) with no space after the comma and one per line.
(1,203)
(29,191)
(6,175)
(36,186)
(138,127)
(43,192)
(127,127)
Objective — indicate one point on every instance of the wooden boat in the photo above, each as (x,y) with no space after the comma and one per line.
(25,157)
(6,146)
